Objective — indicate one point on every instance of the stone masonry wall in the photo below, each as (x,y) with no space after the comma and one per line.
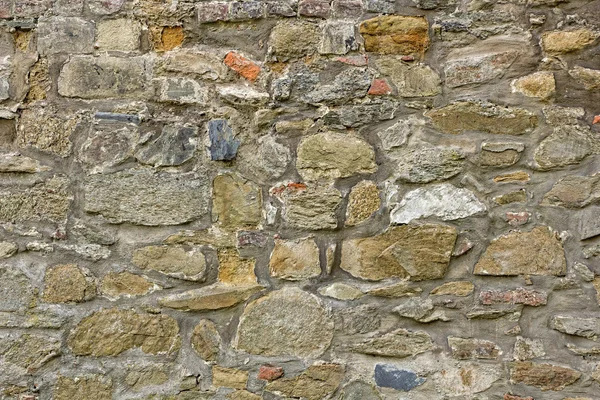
(300,199)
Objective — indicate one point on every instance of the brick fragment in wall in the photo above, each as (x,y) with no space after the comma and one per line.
(317,199)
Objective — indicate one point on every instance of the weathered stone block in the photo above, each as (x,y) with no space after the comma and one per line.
(295,259)
(118,34)
(292,39)
(176,261)
(143,197)
(68,284)
(396,34)
(181,91)
(70,35)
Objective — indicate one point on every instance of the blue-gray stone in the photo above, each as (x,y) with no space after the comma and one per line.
(223,145)
(399,379)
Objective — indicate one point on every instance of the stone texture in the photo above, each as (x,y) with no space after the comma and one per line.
(46,130)
(8,249)
(424,164)
(467,378)
(391,377)
(443,201)
(481,63)
(65,35)
(202,63)
(527,349)
(317,382)
(242,65)
(16,290)
(229,377)
(181,91)
(332,155)
(400,289)
(291,39)
(466,348)
(395,34)
(363,202)
(399,343)
(212,297)
(574,191)
(566,145)
(539,84)
(110,332)
(341,291)
(421,310)
(269,372)
(176,261)
(516,296)
(560,42)
(466,116)
(68,284)
(536,252)
(416,252)
(174,145)
(116,77)
(93,387)
(589,78)
(312,208)
(124,284)
(120,34)
(338,37)
(543,376)
(295,259)
(359,390)
(223,144)
(15,162)
(458,288)
(206,340)
(577,326)
(234,270)
(411,80)
(236,202)
(288,321)
(143,197)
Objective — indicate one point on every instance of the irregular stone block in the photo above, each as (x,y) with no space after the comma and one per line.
(539,84)
(317,382)
(338,37)
(83,386)
(466,348)
(466,116)
(204,64)
(26,353)
(444,201)
(421,310)
(174,145)
(112,331)
(459,288)
(46,130)
(212,297)
(395,34)
(242,65)
(70,35)
(107,145)
(15,162)
(288,321)
(589,223)
(234,270)
(333,155)
(560,42)
(68,284)
(242,95)
(124,284)
(543,376)
(466,378)
(363,202)
(100,77)
(359,390)
(424,164)
(536,252)
(293,39)
(212,11)
(399,343)
(574,191)
(517,296)
(16,290)
(400,289)
(348,84)
(176,261)
(589,78)
(295,259)
(416,252)
(118,34)
(181,91)
(143,197)
(400,379)
(577,326)
(566,145)
(411,80)
(265,160)
(527,349)
(223,144)
(206,340)
(341,291)
(229,377)
(311,208)
(242,11)
(237,203)
(314,8)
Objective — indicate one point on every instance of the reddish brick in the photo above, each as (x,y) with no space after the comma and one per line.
(359,61)
(314,8)
(516,296)
(379,87)
(212,11)
(270,373)
(596,119)
(509,396)
(517,218)
(5,6)
(243,66)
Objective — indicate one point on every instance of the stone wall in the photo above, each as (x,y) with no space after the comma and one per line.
(299,199)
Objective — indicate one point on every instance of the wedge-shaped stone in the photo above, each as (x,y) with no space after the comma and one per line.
(566,145)
(395,34)
(143,197)
(334,155)
(285,322)
(537,252)
(416,252)
(295,259)
(212,297)
(577,326)
(311,208)
(399,343)
(467,348)
(444,201)
(468,116)
(113,331)
(560,42)
(176,261)
(236,202)
(543,376)
(15,162)
(574,191)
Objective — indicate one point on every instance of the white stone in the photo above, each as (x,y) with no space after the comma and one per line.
(443,200)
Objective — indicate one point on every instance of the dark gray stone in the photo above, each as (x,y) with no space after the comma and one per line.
(589,225)
(380,6)
(399,379)
(174,145)
(134,119)
(223,145)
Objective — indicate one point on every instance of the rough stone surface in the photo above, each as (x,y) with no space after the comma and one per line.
(537,252)
(110,332)
(363,202)
(295,259)
(333,155)
(174,145)
(464,116)
(543,376)
(399,343)
(538,84)
(395,34)
(291,39)
(417,80)
(206,340)
(311,208)
(68,284)
(426,164)
(574,191)
(462,288)
(236,202)
(444,201)
(394,253)
(126,284)
(566,145)
(176,261)
(118,34)
(145,198)
(465,349)
(317,382)
(93,387)
(285,322)
(399,379)
(589,78)
(212,297)
(560,42)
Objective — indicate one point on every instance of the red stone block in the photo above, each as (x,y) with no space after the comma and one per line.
(243,66)
(270,373)
(517,296)
(212,12)
(314,8)
(379,87)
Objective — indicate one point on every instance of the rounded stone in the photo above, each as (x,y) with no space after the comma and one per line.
(285,322)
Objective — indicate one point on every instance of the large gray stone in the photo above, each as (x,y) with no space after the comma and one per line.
(143,197)
(285,322)
(349,84)
(16,290)
(577,326)
(174,145)
(566,145)
(443,201)
(69,35)
(399,343)
(425,163)
(100,77)
(418,80)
